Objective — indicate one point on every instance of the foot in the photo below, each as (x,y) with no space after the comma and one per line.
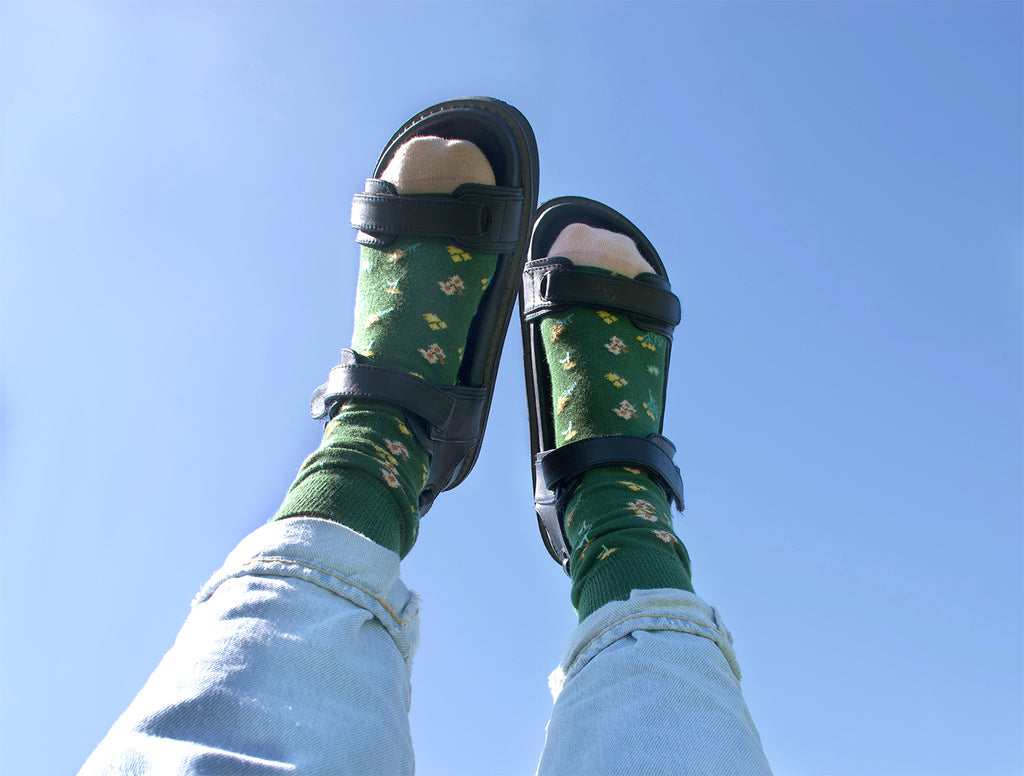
(415,304)
(607,378)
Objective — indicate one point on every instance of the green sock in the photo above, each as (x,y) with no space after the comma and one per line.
(415,304)
(367,474)
(607,377)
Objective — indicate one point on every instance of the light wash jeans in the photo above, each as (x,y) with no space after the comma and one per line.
(297,656)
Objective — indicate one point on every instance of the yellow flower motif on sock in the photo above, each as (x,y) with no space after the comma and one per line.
(569,433)
(625,410)
(426,476)
(452,285)
(615,346)
(460,354)
(615,380)
(396,256)
(433,355)
(385,457)
(483,283)
(562,401)
(631,470)
(606,552)
(402,428)
(567,362)
(569,517)
(458,254)
(434,322)
(417,374)
(647,409)
(652,369)
(632,485)
(607,317)
(646,341)
(393,287)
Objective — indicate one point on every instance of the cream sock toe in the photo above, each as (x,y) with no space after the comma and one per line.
(586,246)
(433,165)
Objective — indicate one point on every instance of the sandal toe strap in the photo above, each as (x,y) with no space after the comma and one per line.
(484,218)
(558,471)
(444,420)
(555,283)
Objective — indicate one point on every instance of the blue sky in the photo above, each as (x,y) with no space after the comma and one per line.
(836,189)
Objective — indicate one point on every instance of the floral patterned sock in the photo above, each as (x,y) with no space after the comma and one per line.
(415,304)
(607,377)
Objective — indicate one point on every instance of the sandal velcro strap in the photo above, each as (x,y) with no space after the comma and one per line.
(483,218)
(444,420)
(554,283)
(353,380)
(652,454)
(557,472)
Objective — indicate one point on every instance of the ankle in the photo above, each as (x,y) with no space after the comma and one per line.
(619,526)
(367,474)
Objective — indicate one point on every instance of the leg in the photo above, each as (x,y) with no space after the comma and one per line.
(651,686)
(649,683)
(297,654)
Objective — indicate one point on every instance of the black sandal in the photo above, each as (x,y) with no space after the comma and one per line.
(551,284)
(449,422)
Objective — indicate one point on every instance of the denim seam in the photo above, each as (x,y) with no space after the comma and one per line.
(287,561)
(589,644)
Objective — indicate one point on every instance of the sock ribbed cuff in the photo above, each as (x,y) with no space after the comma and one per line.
(352,498)
(632,566)
(619,526)
(367,474)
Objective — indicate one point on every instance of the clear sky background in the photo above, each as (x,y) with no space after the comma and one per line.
(836,189)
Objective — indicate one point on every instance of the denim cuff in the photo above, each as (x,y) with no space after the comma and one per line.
(664,609)
(334,558)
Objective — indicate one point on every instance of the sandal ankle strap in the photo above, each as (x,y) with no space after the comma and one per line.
(444,420)
(557,473)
